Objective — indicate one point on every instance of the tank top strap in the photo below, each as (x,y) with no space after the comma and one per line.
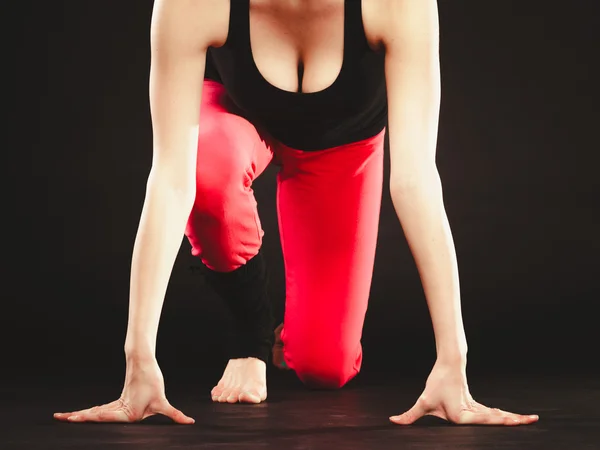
(239,24)
(355,38)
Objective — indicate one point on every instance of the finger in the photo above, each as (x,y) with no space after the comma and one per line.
(486,417)
(522,418)
(110,412)
(511,418)
(102,415)
(410,416)
(176,415)
(66,415)
(473,417)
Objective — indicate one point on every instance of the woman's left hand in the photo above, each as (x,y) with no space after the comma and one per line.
(447,396)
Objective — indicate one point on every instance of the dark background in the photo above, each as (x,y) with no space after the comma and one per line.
(518,155)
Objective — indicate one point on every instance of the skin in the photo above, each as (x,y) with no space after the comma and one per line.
(182,31)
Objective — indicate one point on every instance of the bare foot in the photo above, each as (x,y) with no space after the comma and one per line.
(278,359)
(244,381)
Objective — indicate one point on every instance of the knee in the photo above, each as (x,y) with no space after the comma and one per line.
(222,227)
(326,370)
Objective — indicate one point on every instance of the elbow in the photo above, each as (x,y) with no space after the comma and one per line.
(181,188)
(417,182)
(401,187)
(417,190)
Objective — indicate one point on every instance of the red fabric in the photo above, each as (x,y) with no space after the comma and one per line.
(328,206)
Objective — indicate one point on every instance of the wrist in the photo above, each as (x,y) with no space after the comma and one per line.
(453,357)
(452,364)
(136,357)
(139,350)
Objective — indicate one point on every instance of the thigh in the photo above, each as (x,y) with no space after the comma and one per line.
(224,228)
(229,145)
(328,205)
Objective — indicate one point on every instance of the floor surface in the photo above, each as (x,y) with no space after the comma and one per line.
(355,417)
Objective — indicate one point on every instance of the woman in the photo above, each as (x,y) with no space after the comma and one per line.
(301,82)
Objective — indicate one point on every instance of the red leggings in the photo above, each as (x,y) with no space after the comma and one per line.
(328,206)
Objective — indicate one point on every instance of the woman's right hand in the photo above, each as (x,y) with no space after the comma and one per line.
(143,396)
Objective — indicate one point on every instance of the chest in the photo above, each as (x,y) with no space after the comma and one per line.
(299,47)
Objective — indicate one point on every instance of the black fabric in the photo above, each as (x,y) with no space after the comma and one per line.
(210,72)
(352,109)
(245,292)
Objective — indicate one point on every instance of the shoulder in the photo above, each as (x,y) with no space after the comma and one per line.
(394,22)
(189,24)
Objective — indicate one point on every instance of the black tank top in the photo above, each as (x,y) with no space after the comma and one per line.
(353,108)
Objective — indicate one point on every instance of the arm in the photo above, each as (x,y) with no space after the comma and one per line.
(413,80)
(179,45)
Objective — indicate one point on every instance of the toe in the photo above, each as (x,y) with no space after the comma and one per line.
(233,396)
(249,397)
(216,391)
(224,395)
